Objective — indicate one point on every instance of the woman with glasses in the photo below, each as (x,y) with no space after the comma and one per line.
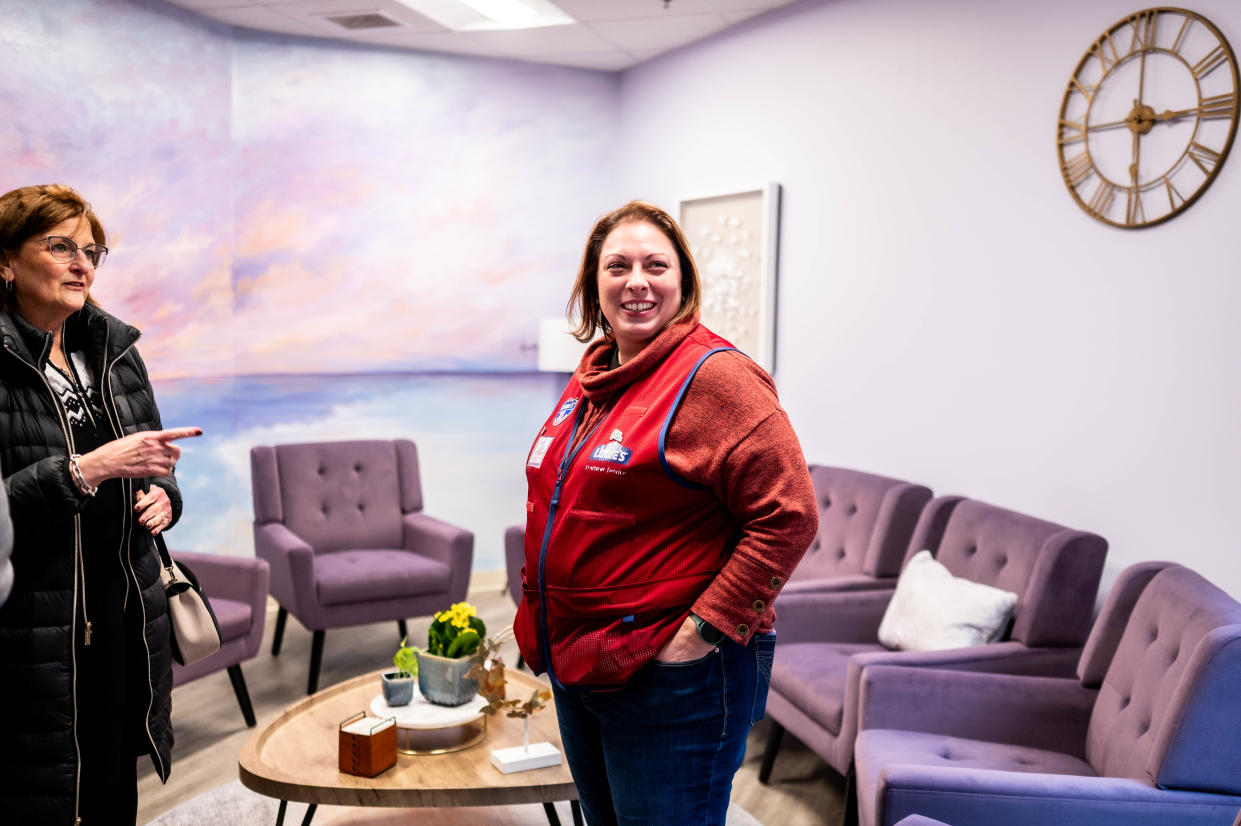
(669,501)
(85,664)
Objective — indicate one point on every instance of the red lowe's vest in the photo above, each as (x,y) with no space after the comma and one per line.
(618,546)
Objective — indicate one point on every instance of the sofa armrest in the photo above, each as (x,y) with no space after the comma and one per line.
(843,617)
(1042,712)
(847,616)
(244,579)
(292,566)
(444,543)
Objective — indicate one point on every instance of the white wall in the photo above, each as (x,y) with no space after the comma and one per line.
(948,314)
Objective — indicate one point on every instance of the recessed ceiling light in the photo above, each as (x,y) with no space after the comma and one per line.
(490,15)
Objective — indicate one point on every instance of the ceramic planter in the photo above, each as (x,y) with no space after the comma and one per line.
(442,680)
(398,690)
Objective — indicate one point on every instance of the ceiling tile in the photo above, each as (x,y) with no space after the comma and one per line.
(613,61)
(589,11)
(742,5)
(264,19)
(644,34)
(549,40)
(316,12)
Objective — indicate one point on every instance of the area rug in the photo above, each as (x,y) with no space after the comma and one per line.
(234,805)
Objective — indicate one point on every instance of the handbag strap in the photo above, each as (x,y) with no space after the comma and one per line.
(161,548)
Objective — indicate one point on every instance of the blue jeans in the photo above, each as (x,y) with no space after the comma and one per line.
(664,748)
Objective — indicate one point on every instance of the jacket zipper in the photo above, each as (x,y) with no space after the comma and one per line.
(77,567)
(565,461)
(106,385)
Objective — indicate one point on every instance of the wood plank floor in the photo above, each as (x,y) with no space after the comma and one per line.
(210,731)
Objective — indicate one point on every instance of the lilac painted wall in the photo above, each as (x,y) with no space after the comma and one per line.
(303,229)
(947,313)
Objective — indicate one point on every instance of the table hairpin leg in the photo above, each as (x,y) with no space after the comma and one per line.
(284,804)
(554,819)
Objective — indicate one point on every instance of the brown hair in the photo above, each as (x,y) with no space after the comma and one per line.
(31,211)
(585,296)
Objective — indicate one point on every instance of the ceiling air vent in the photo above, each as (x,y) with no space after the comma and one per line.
(353,22)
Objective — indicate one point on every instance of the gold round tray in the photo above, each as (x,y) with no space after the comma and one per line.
(422,727)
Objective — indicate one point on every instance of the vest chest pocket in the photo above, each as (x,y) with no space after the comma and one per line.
(602,516)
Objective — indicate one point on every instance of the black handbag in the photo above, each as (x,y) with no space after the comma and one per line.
(195,630)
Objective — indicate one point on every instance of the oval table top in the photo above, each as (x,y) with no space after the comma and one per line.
(294,757)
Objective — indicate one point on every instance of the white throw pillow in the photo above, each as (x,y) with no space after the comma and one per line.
(933,610)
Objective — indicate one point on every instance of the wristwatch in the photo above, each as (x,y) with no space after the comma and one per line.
(707,632)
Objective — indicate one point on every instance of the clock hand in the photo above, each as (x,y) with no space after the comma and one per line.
(1167,114)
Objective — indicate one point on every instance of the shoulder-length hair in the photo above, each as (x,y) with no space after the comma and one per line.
(584,300)
(31,211)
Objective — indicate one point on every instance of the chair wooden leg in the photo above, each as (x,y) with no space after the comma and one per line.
(552,818)
(576,808)
(400,625)
(282,616)
(851,815)
(769,753)
(316,658)
(243,696)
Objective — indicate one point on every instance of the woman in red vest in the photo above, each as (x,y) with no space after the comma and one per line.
(669,502)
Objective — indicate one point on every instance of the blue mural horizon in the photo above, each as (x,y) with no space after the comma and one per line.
(318,240)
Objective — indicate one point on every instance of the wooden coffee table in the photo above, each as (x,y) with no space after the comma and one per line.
(294,757)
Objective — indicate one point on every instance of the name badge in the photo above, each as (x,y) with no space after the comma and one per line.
(539,451)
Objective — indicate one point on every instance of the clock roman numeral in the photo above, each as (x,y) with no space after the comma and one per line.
(1134,212)
(1205,158)
(1101,200)
(1100,52)
(1220,106)
(1175,198)
(1085,91)
(1077,169)
(1143,30)
(1211,62)
(1180,35)
(1071,131)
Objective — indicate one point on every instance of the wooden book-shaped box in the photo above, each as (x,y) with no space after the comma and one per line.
(367,744)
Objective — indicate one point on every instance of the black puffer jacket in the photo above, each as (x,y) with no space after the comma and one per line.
(39,760)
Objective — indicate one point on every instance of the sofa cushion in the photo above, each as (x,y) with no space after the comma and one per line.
(368,575)
(811,676)
(933,610)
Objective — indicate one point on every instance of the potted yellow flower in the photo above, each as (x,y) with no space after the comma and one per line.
(453,637)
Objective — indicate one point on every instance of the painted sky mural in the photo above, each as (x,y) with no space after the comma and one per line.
(318,240)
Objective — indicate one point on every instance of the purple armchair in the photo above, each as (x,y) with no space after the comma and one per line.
(341,525)
(1146,734)
(828,640)
(237,588)
(514,561)
(865,523)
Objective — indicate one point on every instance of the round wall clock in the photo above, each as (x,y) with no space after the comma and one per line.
(1148,117)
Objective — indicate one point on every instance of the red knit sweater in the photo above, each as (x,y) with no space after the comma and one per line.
(731,435)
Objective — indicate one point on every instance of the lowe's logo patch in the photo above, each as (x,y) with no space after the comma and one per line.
(612,452)
(564,411)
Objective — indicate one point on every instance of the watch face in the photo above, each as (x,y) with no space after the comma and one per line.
(1148,117)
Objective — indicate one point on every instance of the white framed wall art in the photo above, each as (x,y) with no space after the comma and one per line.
(734,238)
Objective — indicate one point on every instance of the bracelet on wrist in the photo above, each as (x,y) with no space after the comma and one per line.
(79,480)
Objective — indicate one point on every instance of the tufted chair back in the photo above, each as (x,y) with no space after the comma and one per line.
(1168,707)
(865,522)
(1054,571)
(338,495)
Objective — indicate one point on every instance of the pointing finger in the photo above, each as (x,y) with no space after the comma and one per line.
(177,433)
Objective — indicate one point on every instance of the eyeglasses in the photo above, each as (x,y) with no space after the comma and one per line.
(66,249)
